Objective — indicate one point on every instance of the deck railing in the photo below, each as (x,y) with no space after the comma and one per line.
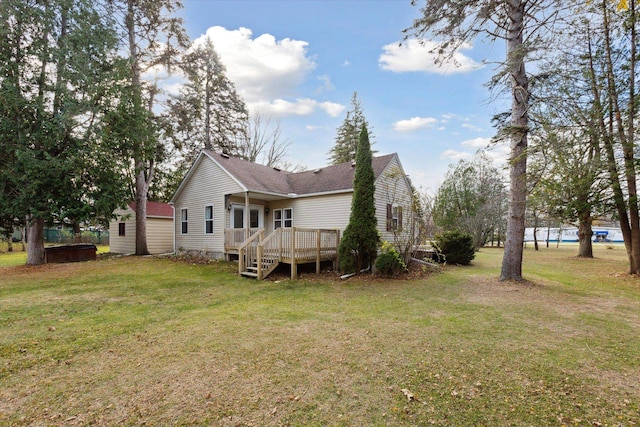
(301,245)
(234,237)
(288,245)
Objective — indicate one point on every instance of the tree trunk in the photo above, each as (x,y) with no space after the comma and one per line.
(140,163)
(627,212)
(513,247)
(35,242)
(585,248)
(77,233)
(141,214)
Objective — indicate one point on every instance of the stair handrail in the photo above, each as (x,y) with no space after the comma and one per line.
(275,258)
(242,260)
(272,236)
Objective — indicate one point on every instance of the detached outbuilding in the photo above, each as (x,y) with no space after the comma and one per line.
(122,229)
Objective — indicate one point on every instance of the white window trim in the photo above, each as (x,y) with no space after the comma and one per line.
(183,221)
(259,208)
(282,218)
(395,216)
(210,219)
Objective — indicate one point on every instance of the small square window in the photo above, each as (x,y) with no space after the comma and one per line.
(122,229)
(283,218)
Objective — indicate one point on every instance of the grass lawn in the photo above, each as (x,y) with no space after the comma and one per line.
(132,341)
(19,257)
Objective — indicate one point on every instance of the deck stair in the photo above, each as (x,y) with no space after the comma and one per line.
(253,261)
(259,255)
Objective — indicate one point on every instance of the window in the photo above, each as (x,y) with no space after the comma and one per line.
(121,229)
(283,218)
(394,217)
(208,219)
(254,216)
(238,220)
(183,221)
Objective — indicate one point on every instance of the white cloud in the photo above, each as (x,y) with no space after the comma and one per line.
(471,127)
(267,72)
(476,143)
(414,123)
(411,56)
(326,83)
(331,108)
(457,155)
(499,154)
(262,67)
(300,107)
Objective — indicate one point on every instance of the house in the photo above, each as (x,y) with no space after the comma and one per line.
(122,229)
(226,206)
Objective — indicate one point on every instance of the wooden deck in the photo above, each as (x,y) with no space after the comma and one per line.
(259,254)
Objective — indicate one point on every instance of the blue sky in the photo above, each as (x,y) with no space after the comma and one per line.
(300,62)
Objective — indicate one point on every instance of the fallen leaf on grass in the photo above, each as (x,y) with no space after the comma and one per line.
(407,393)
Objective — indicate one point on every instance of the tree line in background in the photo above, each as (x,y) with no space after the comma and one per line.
(571,125)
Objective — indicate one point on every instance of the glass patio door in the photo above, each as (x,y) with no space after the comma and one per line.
(255,217)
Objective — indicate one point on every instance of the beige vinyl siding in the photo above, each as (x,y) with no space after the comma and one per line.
(330,211)
(123,244)
(392,188)
(207,185)
(159,235)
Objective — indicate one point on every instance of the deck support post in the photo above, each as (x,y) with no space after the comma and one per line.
(259,261)
(246,218)
(336,263)
(294,266)
(318,241)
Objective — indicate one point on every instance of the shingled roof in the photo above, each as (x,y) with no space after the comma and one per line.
(156,209)
(264,179)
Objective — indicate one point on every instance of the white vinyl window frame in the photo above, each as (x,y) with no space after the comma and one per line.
(283,218)
(256,216)
(208,219)
(184,221)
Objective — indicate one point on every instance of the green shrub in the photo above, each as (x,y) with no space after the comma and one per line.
(389,260)
(454,247)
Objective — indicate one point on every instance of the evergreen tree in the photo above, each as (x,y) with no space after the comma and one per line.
(56,72)
(208,112)
(153,37)
(517,22)
(359,244)
(348,135)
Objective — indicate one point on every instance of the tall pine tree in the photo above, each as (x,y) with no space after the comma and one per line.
(153,36)
(359,244)
(208,112)
(56,70)
(348,135)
